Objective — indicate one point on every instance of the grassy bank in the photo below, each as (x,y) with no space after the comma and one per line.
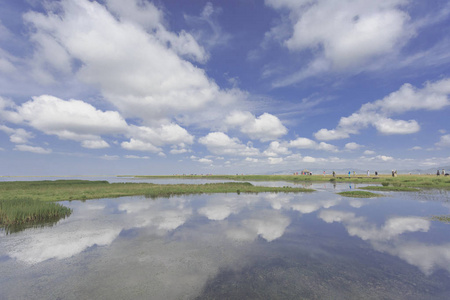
(27,201)
(359,194)
(419,181)
(61,190)
(389,188)
(445,218)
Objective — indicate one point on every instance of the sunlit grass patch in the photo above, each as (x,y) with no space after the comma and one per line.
(389,188)
(359,194)
(26,211)
(445,218)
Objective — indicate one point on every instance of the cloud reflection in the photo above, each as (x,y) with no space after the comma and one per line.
(388,238)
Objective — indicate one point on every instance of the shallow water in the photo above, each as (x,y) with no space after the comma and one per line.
(227,246)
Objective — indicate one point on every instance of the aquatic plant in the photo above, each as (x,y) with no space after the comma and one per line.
(19,212)
(359,194)
(389,188)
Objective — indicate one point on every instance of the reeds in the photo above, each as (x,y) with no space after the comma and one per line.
(27,211)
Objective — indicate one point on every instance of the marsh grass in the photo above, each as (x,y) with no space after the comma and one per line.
(445,218)
(387,188)
(419,181)
(27,202)
(359,194)
(16,214)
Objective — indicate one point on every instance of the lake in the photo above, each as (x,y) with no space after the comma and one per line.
(228,246)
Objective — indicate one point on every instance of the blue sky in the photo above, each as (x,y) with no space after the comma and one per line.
(223,87)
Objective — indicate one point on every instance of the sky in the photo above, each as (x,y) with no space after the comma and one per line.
(159,87)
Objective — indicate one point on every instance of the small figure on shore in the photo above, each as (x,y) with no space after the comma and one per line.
(443,172)
(376,173)
(334,174)
(349,174)
(437,173)
(393,173)
(368,173)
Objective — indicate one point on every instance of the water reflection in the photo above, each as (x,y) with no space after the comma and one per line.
(387,238)
(200,245)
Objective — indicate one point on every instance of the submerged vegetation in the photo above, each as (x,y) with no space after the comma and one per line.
(360,194)
(445,219)
(27,202)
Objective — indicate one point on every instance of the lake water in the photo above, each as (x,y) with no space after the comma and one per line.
(227,246)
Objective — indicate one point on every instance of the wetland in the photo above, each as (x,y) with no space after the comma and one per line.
(300,240)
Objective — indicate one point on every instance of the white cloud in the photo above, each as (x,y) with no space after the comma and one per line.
(265,127)
(17,136)
(221,144)
(153,83)
(328,135)
(207,29)
(164,134)
(305,143)
(444,141)
(275,149)
(136,157)
(433,96)
(7,111)
(92,144)
(275,160)
(352,146)
(110,157)
(33,149)
(309,159)
(205,161)
(355,33)
(140,146)
(369,152)
(72,119)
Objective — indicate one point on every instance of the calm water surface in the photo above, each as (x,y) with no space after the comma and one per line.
(227,246)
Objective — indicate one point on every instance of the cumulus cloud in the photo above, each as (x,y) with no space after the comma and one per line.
(138,145)
(221,144)
(433,96)
(276,149)
(265,127)
(155,83)
(33,149)
(444,141)
(17,136)
(97,144)
(305,143)
(72,120)
(355,32)
(352,146)
(172,134)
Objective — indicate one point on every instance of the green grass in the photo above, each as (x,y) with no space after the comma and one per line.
(61,190)
(389,188)
(359,194)
(445,219)
(28,201)
(25,210)
(418,181)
